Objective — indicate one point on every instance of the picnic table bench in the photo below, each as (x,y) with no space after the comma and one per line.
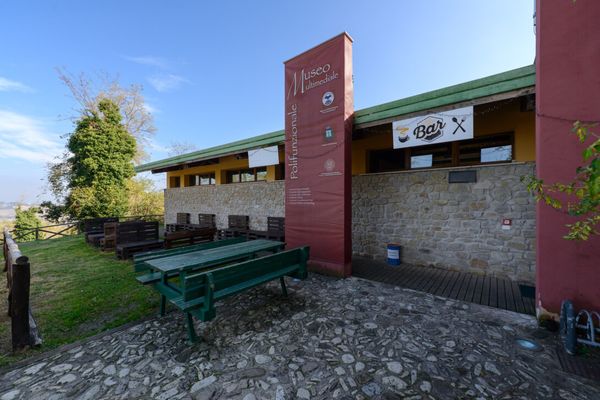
(162,269)
(200,291)
(136,236)
(189,237)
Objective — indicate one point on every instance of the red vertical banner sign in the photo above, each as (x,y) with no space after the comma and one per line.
(319,108)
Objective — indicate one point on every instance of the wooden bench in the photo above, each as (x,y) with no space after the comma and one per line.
(170,228)
(189,237)
(275,230)
(93,229)
(207,220)
(200,291)
(109,240)
(181,219)
(140,258)
(237,225)
(136,236)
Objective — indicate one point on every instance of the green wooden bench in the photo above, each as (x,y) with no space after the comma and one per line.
(140,258)
(200,291)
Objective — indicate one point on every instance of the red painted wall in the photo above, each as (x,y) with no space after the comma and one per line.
(567,89)
(318,130)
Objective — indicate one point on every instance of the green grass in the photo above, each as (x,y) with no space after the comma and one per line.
(76,291)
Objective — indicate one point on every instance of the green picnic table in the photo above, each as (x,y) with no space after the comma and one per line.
(194,280)
(202,260)
(220,255)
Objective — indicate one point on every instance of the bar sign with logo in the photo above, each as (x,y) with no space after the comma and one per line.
(447,126)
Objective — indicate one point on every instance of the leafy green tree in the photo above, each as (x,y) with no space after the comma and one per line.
(100,165)
(583,192)
(88,93)
(25,223)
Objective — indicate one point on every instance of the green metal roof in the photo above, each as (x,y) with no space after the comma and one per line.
(268,139)
(495,84)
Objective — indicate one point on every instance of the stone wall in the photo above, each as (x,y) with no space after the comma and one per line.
(456,226)
(259,200)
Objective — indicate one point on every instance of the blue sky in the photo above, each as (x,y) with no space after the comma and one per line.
(213,71)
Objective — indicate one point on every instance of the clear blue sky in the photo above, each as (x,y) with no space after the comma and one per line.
(212,71)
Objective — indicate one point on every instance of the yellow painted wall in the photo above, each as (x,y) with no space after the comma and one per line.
(493,118)
(508,118)
(220,170)
(361,147)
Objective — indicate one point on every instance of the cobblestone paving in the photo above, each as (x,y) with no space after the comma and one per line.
(330,339)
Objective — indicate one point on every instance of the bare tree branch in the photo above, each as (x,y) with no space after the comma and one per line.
(136,118)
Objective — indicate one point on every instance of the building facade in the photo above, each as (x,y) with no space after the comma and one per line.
(458,205)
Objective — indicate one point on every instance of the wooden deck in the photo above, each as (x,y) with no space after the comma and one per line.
(486,290)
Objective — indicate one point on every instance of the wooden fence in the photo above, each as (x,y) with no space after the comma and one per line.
(67,229)
(24,332)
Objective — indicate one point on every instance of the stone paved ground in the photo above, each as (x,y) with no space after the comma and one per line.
(330,339)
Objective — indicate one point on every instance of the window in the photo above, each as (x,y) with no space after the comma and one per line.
(190,180)
(203,179)
(435,155)
(207,179)
(174,182)
(496,154)
(425,161)
(486,149)
(261,174)
(481,150)
(386,160)
(247,175)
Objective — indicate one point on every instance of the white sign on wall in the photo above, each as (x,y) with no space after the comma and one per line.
(446,126)
(263,157)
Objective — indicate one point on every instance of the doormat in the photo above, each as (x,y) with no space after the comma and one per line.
(578,365)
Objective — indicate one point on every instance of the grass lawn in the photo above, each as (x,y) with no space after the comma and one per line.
(76,291)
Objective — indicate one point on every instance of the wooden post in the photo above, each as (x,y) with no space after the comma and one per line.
(20,303)
(23,327)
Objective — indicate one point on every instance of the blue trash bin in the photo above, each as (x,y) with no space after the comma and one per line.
(393,254)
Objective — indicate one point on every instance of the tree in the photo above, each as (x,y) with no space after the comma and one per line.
(26,220)
(100,165)
(136,115)
(136,119)
(583,192)
(144,199)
